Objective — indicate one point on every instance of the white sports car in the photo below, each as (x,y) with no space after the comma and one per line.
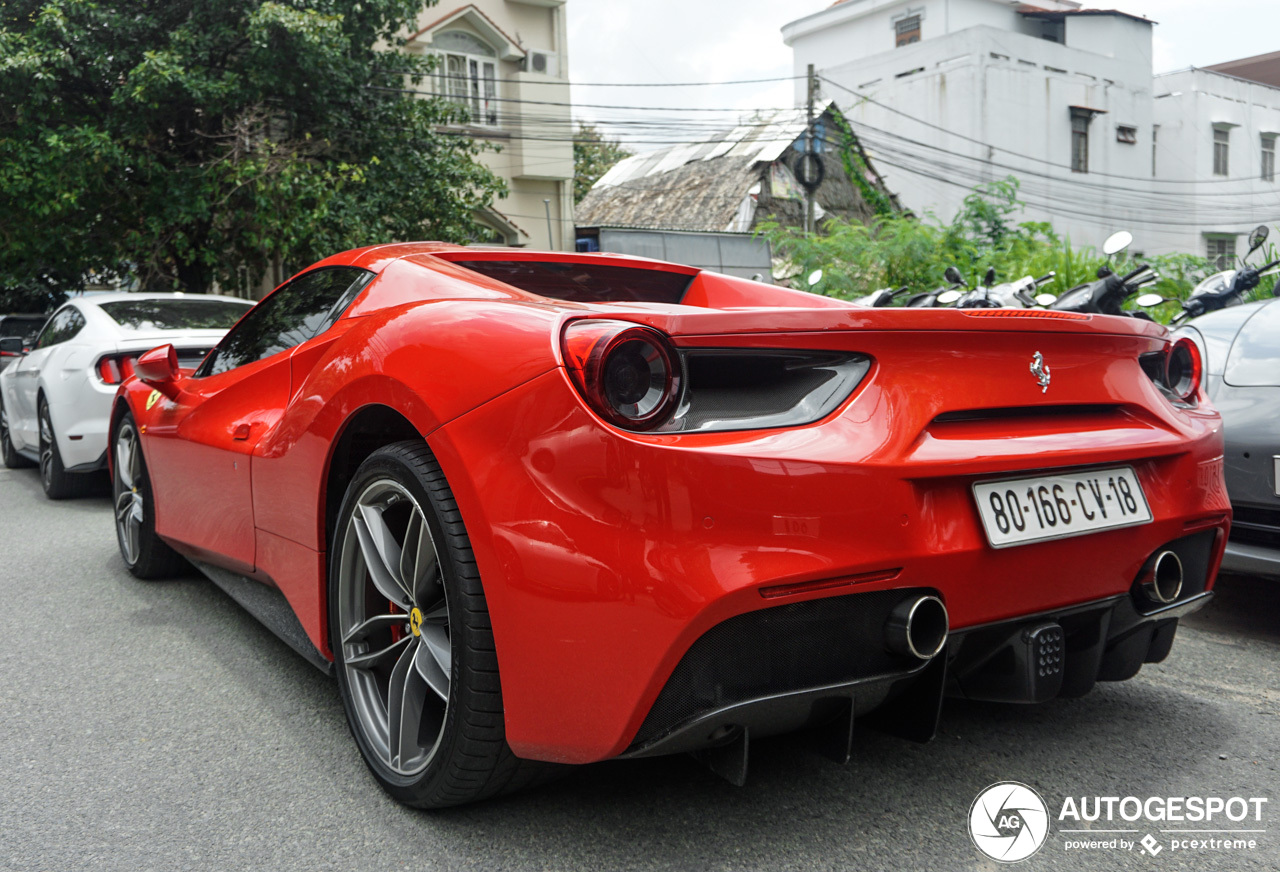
(55,400)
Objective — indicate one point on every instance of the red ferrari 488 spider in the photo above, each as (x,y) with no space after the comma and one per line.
(539,508)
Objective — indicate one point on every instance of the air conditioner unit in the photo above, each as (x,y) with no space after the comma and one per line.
(543,62)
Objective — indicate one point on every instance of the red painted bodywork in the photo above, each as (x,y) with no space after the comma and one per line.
(604,553)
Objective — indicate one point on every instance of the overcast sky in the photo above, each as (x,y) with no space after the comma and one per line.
(612,41)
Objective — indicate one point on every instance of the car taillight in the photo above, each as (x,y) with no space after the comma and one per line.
(114,369)
(1183,369)
(629,375)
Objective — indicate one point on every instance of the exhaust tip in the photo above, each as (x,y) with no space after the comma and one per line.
(1162,578)
(917,628)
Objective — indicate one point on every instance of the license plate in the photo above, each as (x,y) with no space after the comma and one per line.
(1020,510)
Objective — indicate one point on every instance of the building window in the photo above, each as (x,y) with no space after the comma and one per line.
(1221,152)
(907,30)
(1222,252)
(1268,157)
(1126,134)
(1080,141)
(467,74)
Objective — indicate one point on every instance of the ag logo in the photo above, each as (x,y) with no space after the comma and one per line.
(1008,822)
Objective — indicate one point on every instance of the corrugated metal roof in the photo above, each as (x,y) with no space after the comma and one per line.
(762,138)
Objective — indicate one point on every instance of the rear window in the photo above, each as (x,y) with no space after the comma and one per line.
(585,282)
(142,315)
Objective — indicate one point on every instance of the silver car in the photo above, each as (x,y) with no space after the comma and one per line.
(1240,347)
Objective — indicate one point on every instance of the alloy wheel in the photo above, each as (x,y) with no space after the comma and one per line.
(46,447)
(129,499)
(393,618)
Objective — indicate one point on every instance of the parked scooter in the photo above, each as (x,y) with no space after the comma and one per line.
(1107,295)
(1010,295)
(943,296)
(880,298)
(1223,289)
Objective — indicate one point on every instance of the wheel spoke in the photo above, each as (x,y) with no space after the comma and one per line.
(438,615)
(418,561)
(124,460)
(370,659)
(406,694)
(381,555)
(432,663)
(362,631)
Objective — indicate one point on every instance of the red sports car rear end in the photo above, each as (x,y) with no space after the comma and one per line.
(690,510)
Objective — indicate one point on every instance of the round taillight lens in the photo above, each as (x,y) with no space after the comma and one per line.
(628,374)
(1182,369)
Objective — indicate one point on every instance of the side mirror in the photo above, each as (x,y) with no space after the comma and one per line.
(1257,237)
(11,345)
(953,276)
(158,367)
(1044,299)
(815,277)
(990,277)
(946,298)
(1117,242)
(1146,301)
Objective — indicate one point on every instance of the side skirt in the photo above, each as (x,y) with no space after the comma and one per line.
(270,607)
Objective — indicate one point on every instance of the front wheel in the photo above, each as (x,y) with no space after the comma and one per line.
(412,641)
(144,553)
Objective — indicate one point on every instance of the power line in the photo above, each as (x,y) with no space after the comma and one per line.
(1033,158)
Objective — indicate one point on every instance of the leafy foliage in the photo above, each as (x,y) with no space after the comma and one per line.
(894,250)
(191,141)
(593,156)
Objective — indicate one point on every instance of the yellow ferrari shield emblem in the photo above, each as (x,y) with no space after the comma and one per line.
(152,399)
(415,622)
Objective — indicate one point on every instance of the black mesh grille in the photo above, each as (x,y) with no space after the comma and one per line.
(1253,526)
(775,650)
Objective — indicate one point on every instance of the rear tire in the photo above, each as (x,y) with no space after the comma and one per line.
(144,553)
(12,459)
(57,482)
(412,641)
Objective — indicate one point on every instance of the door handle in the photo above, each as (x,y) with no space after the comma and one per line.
(241,432)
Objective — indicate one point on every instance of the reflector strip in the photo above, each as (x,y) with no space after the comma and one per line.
(778,590)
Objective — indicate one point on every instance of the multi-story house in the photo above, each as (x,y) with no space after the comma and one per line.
(947,94)
(507,62)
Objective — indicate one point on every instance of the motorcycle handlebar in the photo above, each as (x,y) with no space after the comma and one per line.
(1137,272)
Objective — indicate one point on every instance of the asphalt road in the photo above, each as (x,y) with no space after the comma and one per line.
(157,726)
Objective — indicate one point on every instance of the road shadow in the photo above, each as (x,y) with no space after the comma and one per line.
(1243,606)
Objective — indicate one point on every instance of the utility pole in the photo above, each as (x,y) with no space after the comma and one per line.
(809,149)
(551,242)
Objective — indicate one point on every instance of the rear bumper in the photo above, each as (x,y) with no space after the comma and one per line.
(607,556)
(1247,559)
(787,667)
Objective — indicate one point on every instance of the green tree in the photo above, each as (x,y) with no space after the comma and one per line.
(593,155)
(193,141)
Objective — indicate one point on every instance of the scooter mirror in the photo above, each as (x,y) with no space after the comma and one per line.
(990,277)
(1146,301)
(946,298)
(1044,299)
(815,277)
(953,276)
(1117,242)
(1257,237)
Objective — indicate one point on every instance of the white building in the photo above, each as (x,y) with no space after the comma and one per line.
(953,93)
(507,62)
